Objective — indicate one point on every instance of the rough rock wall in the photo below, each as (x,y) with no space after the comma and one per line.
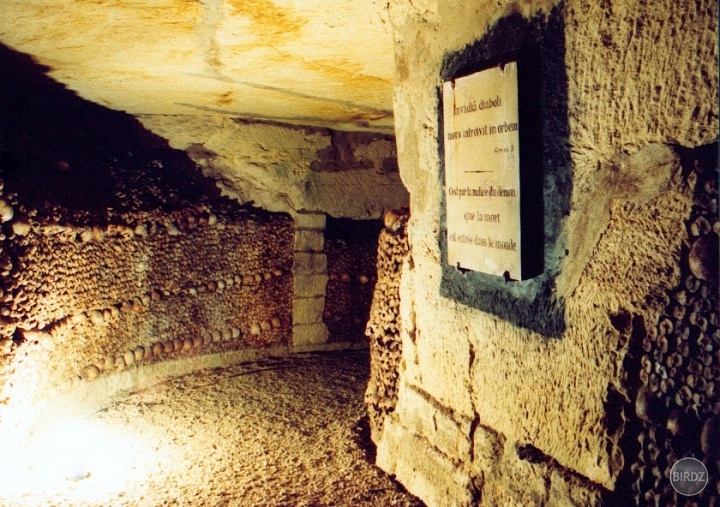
(383,327)
(284,168)
(351,250)
(515,394)
(89,294)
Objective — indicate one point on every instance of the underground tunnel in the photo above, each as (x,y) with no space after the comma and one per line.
(292,253)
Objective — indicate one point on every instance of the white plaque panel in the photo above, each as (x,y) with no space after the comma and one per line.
(482,171)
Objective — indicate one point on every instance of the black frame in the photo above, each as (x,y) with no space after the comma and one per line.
(532,236)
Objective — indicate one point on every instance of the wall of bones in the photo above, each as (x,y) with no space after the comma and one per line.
(384,325)
(88,294)
(673,362)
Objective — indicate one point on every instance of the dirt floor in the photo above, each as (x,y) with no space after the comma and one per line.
(278,432)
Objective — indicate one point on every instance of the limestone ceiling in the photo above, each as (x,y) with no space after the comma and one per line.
(312,62)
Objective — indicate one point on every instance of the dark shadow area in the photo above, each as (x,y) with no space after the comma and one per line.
(538,45)
(353,231)
(351,249)
(363,439)
(59,150)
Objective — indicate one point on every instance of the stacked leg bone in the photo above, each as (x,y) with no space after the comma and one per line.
(383,328)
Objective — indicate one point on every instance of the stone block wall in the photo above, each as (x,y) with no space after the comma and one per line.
(310,271)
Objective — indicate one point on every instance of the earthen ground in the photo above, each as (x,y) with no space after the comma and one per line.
(278,432)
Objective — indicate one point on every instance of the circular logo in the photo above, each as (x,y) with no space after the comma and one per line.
(688,476)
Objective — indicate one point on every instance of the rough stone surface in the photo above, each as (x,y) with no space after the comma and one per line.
(308,286)
(305,62)
(446,430)
(283,168)
(308,310)
(305,220)
(423,470)
(309,241)
(659,80)
(309,334)
(310,263)
(541,364)
(527,481)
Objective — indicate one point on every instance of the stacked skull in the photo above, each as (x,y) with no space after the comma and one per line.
(168,271)
(677,401)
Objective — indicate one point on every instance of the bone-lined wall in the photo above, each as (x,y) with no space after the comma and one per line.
(674,360)
(384,326)
(87,294)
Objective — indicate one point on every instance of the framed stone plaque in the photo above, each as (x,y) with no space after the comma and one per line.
(483,184)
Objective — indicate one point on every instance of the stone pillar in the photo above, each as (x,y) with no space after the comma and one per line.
(310,274)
